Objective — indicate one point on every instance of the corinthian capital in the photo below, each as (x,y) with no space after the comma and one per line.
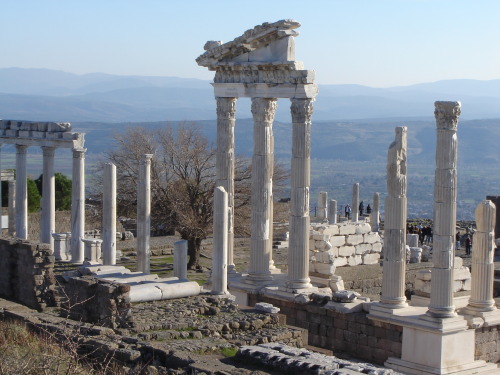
(301,110)
(226,108)
(263,109)
(447,114)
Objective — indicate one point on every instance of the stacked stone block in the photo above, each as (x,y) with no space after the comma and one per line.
(346,244)
(461,279)
(27,273)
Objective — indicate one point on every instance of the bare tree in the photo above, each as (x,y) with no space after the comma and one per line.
(182,181)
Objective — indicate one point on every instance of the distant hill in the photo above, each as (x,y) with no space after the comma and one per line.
(41,94)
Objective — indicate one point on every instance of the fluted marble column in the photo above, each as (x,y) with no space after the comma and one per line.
(144,214)
(12,208)
(78,205)
(375,217)
(332,212)
(21,193)
(109,215)
(483,267)
(393,281)
(355,202)
(263,110)
(226,109)
(48,216)
(219,259)
(445,205)
(322,205)
(180,259)
(298,251)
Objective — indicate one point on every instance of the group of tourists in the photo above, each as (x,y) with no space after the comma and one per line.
(361,208)
(424,233)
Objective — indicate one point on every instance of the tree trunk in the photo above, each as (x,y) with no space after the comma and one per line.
(194,245)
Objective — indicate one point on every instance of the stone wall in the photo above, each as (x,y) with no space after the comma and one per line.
(97,301)
(488,344)
(343,244)
(27,273)
(352,333)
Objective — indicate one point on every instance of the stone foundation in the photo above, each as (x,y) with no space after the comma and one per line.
(27,273)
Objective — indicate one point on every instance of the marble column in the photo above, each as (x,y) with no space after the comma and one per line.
(48,215)
(445,205)
(332,212)
(298,251)
(78,205)
(109,215)
(375,217)
(12,208)
(263,110)
(483,267)
(21,193)
(219,258)
(394,267)
(322,205)
(355,202)
(226,109)
(180,259)
(144,214)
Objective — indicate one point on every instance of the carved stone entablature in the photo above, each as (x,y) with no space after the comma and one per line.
(47,134)
(263,74)
(278,34)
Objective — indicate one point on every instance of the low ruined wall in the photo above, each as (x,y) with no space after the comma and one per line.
(488,344)
(91,300)
(351,333)
(27,273)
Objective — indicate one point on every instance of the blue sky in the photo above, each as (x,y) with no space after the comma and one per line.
(376,43)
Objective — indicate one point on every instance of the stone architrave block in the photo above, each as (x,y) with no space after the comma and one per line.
(11,133)
(462,273)
(325,268)
(347,251)
(373,258)
(340,261)
(363,228)
(457,285)
(371,237)
(54,135)
(347,229)
(354,239)
(423,286)
(36,134)
(377,247)
(424,275)
(337,241)
(363,248)
(355,260)
(332,230)
(24,133)
(458,263)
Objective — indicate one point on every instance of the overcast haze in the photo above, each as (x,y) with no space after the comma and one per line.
(373,43)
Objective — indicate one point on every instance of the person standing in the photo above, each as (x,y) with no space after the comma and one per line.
(347,211)
(468,244)
(361,208)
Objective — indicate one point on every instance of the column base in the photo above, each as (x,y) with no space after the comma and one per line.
(476,367)
(490,318)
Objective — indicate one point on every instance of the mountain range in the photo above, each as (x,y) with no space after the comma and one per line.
(50,95)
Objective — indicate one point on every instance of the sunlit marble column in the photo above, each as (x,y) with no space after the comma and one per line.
(481,301)
(355,202)
(21,193)
(226,109)
(219,258)
(109,215)
(394,267)
(322,205)
(332,212)
(78,206)
(263,111)
(48,215)
(12,208)
(445,205)
(375,217)
(144,214)
(298,251)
